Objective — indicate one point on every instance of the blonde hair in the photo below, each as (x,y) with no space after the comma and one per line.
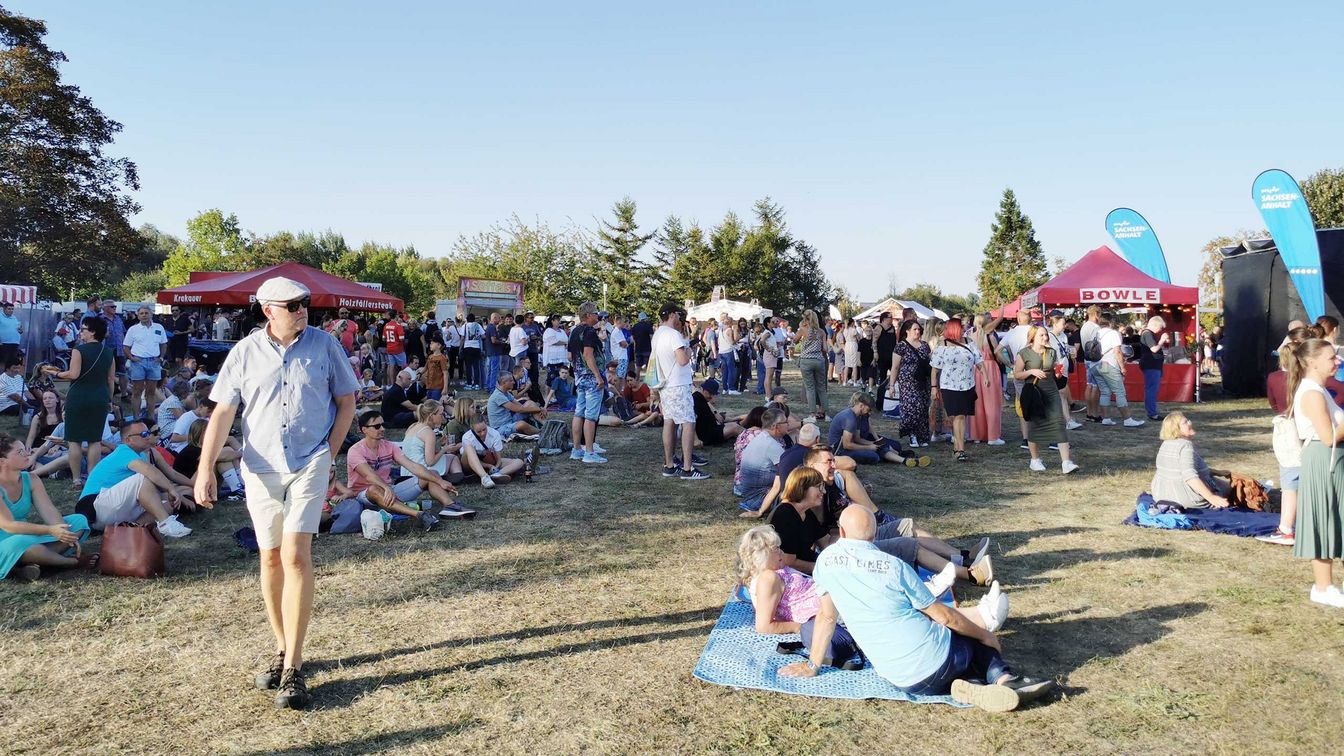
(464,410)
(1171,426)
(753,552)
(426,410)
(810,319)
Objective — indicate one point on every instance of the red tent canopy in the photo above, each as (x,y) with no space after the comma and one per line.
(239,289)
(1103,277)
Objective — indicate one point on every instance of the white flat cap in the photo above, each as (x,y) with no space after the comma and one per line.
(281,289)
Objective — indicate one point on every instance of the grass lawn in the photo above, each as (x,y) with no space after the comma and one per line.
(568,616)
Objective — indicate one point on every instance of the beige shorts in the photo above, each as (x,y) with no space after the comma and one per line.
(282,503)
(120,503)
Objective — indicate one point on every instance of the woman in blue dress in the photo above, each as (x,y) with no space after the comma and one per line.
(26,544)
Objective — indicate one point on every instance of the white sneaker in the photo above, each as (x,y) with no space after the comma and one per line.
(174,529)
(1069,466)
(996,442)
(597,448)
(1132,423)
(938,584)
(1108,421)
(1074,425)
(993,608)
(1330,597)
(487,482)
(1037,465)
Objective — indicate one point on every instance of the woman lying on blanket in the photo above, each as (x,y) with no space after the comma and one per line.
(1182,475)
(786,600)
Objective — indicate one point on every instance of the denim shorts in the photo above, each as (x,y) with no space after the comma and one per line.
(396,360)
(587,398)
(145,369)
(1289,477)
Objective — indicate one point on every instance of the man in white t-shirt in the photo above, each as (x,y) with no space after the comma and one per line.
(1086,335)
(1010,343)
(1111,373)
(517,343)
(145,345)
(673,355)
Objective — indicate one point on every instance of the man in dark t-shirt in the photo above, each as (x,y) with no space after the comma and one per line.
(642,332)
(1152,354)
(710,425)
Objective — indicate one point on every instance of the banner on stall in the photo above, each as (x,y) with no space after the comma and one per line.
(1137,242)
(1288,219)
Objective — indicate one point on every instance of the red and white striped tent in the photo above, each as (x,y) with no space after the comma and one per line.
(18,295)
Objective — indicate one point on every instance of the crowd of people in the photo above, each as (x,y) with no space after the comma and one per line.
(149,435)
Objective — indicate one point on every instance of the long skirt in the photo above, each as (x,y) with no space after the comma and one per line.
(987,424)
(914,405)
(1320,516)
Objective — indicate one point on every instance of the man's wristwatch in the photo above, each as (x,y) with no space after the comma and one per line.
(813,667)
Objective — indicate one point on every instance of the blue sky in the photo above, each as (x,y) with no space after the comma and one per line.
(888,134)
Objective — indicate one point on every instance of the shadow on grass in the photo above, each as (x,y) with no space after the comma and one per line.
(342,693)
(1058,648)
(524,634)
(1024,569)
(380,743)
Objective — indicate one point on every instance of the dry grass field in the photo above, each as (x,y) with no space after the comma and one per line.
(568,615)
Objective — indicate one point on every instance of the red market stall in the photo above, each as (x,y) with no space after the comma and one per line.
(216,288)
(1104,278)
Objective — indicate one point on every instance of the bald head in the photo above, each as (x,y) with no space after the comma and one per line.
(857,523)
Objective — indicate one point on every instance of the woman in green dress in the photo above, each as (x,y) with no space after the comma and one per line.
(29,544)
(1036,364)
(90,395)
(1319,423)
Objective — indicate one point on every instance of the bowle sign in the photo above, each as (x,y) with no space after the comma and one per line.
(1119,295)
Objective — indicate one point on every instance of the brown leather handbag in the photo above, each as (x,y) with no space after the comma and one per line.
(131,550)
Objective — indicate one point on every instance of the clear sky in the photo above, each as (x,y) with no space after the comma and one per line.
(887,133)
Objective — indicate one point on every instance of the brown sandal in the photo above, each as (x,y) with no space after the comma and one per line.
(87,562)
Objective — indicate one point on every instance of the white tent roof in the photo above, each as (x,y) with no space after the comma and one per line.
(895,306)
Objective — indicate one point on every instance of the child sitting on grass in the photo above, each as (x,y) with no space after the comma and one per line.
(561,395)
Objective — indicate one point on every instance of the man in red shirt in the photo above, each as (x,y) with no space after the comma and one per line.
(344,329)
(394,335)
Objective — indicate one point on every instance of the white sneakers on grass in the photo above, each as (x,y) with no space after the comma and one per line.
(1037,465)
(1068,466)
(1132,423)
(1331,596)
(1074,425)
(993,608)
(938,584)
(171,528)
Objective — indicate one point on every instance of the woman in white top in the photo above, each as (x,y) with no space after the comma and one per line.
(554,348)
(421,444)
(1320,494)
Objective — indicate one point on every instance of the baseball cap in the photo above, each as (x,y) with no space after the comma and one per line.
(281,289)
(1056,313)
(711,386)
(643,316)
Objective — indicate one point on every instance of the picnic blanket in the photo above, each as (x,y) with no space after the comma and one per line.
(739,657)
(1237,522)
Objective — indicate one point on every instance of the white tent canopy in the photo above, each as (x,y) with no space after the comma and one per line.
(895,306)
(718,305)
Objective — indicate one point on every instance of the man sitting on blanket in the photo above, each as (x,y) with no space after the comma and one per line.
(916,643)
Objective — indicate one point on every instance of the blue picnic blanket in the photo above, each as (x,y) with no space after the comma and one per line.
(1237,522)
(739,657)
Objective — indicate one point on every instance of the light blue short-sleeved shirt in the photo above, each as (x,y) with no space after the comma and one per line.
(880,598)
(288,396)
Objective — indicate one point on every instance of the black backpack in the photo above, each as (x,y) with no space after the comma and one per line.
(1092,349)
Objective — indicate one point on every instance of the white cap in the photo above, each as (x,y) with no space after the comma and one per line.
(281,289)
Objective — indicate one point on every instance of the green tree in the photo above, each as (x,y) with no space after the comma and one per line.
(304,247)
(1324,192)
(214,242)
(140,286)
(558,268)
(617,247)
(398,270)
(61,196)
(1014,261)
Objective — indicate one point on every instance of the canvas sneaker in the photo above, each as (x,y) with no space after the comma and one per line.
(1108,421)
(940,583)
(487,482)
(1278,536)
(1069,466)
(171,528)
(695,474)
(1329,597)
(996,442)
(597,448)
(1132,423)
(427,521)
(672,472)
(456,509)
(577,453)
(1037,465)
(594,459)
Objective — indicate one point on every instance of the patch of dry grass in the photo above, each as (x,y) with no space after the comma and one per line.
(569,614)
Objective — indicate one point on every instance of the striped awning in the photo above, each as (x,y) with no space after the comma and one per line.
(18,294)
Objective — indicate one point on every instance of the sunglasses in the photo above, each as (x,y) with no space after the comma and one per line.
(296,305)
(379,426)
(143,434)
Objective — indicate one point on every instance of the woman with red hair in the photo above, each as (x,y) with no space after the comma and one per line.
(955,367)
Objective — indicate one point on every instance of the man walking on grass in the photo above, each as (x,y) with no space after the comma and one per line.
(675,374)
(298,399)
(585,349)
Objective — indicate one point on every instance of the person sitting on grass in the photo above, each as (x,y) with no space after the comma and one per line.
(133,483)
(369,390)
(510,416)
(368,468)
(636,391)
(779,399)
(851,435)
(751,427)
(1182,475)
(28,545)
(711,426)
(171,408)
(422,446)
(50,414)
(397,407)
(649,418)
(523,387)
(783,599)
(486,445)
(187,462)
(913,641)
(561,396)
(759,458)
(792,458)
